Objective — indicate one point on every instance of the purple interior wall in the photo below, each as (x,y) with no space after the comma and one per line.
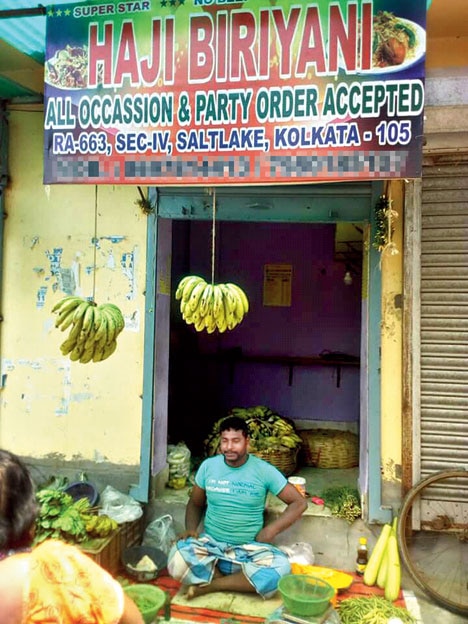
(324,315)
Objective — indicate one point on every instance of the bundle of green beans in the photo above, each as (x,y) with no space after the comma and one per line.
(371,610)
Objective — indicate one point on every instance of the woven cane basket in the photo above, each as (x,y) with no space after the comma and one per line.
(285,461)
(329,448)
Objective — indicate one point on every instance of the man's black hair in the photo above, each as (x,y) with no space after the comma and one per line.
(236,423)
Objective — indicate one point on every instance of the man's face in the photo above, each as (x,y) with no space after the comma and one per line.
(234,446)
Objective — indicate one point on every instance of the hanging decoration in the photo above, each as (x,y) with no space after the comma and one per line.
(211,306)
(93,329)
(385,217)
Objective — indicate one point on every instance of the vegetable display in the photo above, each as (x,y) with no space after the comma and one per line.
(343,502)
(94,329)
(371,610)
(71,521)
(384,567)
(267,430)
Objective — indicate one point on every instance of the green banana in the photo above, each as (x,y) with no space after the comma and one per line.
(98,352)
(237,289)
(88,318)
(80,310)
(180,287)
(109,349)
(76,329)
(196,294)
(67,346)
(229,299)
(239,309)
(65,321)
(68,302)
(101,331)
(189,286)
(75,354)
(87,355)
(117,312)
(206,300)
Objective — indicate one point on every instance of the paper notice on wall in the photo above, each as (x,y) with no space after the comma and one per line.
(277,282)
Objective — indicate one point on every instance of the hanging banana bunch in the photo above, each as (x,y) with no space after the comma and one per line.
(211,306)
(93,329)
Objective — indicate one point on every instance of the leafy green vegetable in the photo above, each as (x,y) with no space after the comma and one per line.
(59,517)
(343,502)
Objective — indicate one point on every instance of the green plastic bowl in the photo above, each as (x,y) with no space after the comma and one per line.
(303,594)
(148,598)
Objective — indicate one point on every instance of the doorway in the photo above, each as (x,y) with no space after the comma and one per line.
(295,226)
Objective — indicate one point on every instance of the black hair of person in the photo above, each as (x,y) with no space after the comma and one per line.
(18,504)
(236,423)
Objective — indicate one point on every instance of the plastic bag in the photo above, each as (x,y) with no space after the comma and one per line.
(178,458)
(119,506)
(299,552)
(160,533)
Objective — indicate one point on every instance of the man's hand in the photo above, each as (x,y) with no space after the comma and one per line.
(265,536)
(295,507)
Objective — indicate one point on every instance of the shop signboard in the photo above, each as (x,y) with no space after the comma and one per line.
(221,92)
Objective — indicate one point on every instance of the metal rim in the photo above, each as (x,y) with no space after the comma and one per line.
(414,571)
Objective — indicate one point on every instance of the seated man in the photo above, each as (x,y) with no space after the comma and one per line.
(234,552)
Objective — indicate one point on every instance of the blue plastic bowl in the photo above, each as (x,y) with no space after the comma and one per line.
(83,489)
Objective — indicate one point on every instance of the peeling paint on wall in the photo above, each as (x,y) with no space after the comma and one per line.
(110,264)
(128,264)
(132,323)
(65,368)
(114,239)
(40,297)
(55,259)
(391,471)
(79,397)
(67,281)
(391,316)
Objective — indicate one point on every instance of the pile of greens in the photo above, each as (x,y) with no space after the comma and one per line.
(59,517)
(343,502)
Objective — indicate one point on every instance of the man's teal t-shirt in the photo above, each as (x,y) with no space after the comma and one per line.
(236,497)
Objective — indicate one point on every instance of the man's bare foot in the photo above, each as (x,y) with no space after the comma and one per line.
(191,592)
(198,590)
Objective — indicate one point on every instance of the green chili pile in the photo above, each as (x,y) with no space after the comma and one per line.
(371,610)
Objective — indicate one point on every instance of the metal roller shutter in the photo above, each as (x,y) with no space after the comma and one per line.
(444,314)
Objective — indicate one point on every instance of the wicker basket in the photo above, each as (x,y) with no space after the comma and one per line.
(285,461)
(329,448)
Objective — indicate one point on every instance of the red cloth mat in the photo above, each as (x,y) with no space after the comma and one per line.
(198,614)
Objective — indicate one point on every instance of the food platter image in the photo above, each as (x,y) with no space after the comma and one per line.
(398,44)
(68,68)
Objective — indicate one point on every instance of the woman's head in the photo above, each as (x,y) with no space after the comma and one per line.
(18,505)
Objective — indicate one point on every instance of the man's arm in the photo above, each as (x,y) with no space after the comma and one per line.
(296,505)
(194,511)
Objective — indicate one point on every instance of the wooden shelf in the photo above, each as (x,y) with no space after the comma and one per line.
(291,361)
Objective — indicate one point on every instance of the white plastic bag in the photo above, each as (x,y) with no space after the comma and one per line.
(119,506)
(160,533)
(299,552)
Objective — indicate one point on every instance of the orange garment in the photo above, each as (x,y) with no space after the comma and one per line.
(68,587)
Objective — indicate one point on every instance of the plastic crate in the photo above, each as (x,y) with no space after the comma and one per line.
(131,533)
(105,551)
